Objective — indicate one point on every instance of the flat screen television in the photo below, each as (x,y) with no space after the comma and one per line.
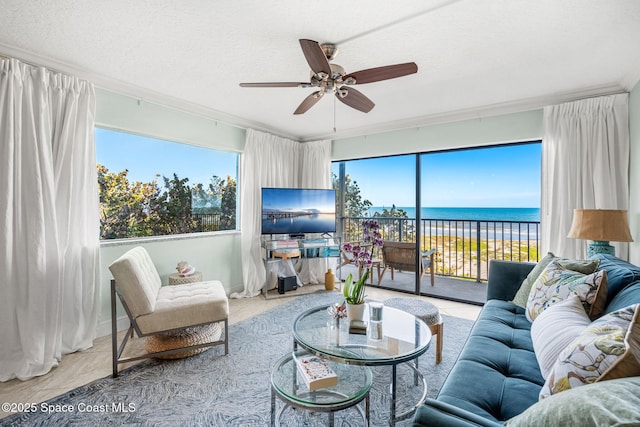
(298,211)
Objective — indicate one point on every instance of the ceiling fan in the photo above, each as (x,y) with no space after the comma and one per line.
(329,77)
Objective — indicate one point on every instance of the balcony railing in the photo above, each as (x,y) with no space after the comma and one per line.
(207,221)
(463,247)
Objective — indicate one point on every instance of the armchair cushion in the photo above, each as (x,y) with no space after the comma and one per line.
(138,280)
(185,305)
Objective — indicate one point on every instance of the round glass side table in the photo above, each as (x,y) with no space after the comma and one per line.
(354,383)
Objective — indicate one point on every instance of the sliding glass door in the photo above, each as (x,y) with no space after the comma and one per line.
(382,189)
(476,205)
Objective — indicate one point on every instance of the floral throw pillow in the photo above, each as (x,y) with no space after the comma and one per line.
(584,266)
(556,283)
(607,349)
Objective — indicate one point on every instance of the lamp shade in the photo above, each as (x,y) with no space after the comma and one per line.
(601,225)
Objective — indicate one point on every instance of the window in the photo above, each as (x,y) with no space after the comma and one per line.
(152,187)
(477,204)
(383,188)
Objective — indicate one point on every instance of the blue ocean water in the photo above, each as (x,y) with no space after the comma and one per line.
(478,214)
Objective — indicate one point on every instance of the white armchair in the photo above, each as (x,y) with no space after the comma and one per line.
(156,309)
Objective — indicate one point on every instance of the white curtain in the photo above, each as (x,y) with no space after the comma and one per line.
(271,161)
(585,165)
(315,172)
(49,262)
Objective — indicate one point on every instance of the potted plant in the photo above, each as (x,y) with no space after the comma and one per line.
(354,295)
(354,291)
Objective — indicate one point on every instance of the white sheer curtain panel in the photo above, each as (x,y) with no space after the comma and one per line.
(271,161)
(49,278)
(315,172)
(585,165)
(267,161)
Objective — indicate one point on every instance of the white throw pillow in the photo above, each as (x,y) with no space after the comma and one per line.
(555,328)
(607,349)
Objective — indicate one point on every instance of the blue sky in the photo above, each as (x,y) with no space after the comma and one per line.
(505,176)
(145,157)
(285,199)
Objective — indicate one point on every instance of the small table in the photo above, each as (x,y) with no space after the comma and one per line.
(354,383)
(187,336)
(177,279)
(405,338)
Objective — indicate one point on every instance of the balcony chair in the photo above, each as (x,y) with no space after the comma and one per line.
(402,256)
(160,311)
(347,258)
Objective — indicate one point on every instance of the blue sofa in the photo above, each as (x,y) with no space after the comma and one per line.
(497,376)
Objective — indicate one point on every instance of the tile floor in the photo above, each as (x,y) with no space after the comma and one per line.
(83,367)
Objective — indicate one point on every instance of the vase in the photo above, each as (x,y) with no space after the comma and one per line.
(355,311)
(329,280)
(338,331)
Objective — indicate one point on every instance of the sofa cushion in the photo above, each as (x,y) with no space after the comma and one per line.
(549,339)
(499,361)
(606,403)
(620,273)
(609,348)
(626,297)
(556,283)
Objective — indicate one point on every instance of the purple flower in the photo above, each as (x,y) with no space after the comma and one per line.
(371,238)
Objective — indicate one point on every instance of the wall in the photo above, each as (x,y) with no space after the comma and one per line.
(217,255)
(515,127)
(634,174)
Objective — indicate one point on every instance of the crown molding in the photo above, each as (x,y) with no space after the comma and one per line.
(146,95)
(137,92)
(474,113)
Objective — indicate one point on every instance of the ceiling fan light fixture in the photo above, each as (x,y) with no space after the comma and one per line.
(350,81)
(329,77)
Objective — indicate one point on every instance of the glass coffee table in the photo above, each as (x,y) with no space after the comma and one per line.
(354,383)
(404,338)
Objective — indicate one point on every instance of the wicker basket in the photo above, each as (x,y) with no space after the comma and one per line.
(182,338)
(176,279)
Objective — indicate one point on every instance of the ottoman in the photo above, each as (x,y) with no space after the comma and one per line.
(425,311)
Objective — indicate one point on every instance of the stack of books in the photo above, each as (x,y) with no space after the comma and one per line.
(315,372)
(357,327)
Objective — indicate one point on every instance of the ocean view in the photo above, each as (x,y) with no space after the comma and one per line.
(481,214)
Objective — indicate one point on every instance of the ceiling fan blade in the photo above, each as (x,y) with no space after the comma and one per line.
(316,58)
(381,73)
(275,84)
(309,102)
(354,99)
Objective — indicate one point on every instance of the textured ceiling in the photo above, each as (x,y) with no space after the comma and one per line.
(475,57)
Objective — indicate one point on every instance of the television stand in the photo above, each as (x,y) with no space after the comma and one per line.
(281,250)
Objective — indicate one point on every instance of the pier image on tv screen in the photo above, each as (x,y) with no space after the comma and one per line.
(298,211)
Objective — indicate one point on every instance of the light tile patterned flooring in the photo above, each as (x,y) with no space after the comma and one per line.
(83,367)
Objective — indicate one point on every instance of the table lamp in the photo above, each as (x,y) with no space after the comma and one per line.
(601,226)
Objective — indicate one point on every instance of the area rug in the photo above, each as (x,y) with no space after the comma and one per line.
(211,389)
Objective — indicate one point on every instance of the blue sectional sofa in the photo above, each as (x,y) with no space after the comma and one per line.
(497,375)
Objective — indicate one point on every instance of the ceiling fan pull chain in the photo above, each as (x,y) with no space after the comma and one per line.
(334,114)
